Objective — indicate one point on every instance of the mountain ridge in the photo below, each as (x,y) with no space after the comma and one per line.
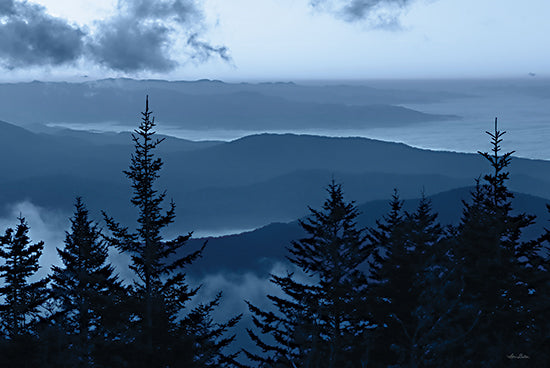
(243,183)
(258,250)
(200,105)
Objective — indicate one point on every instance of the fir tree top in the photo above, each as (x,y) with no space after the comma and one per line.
(22,298)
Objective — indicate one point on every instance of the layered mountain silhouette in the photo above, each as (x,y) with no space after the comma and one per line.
(242,184)
(258,250)
(213,104)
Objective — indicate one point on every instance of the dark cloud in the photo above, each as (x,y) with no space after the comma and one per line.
(181,11)
(378,13)
(29,36)
(142,36)
(6,7)
(203,51)
(128,46)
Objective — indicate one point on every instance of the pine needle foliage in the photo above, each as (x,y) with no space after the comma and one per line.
(160,291)
(410,293)
(87,292)
(489,254)
(321,323)
(22,299)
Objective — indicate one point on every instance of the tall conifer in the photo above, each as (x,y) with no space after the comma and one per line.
(489,253)
(160,290)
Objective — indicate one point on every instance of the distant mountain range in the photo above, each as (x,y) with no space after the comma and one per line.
(257,251)
(242,184)
(207,104)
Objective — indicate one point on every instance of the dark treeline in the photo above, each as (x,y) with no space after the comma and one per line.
(408,292)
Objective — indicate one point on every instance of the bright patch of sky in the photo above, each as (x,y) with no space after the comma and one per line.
(291,40)
(83,12)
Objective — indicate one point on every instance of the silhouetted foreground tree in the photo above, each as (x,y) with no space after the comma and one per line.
(161,337)
(489,254)
(540,305)
(21,298)
(320,323)
(409,292)
(385,239)
(89,297)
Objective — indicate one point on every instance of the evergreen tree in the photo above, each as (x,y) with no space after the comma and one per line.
(535,258)
(21,298)
(88,294)
(382,238)
(489,254)
(388,232)
(207,337)
(408,285)
(538,265)
(322,323)
(160,290)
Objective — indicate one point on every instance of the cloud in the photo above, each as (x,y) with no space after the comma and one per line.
(203,51)
(30,37)
(130,47)
(143,35)
(44,225)
(377,13)
(7,7)
(181,11)
(50,226)
(236,289)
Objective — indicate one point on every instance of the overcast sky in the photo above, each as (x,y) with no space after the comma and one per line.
(237,40)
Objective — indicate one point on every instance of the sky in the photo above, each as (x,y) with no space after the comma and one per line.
(240,40)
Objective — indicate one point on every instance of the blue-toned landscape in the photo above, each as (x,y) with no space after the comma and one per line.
(290,183)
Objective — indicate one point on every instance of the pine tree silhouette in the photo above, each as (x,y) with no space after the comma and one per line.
(89,295)
(160,290)
(488,253)
(21,298)
(322,323)
(409,290)
(539,286)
